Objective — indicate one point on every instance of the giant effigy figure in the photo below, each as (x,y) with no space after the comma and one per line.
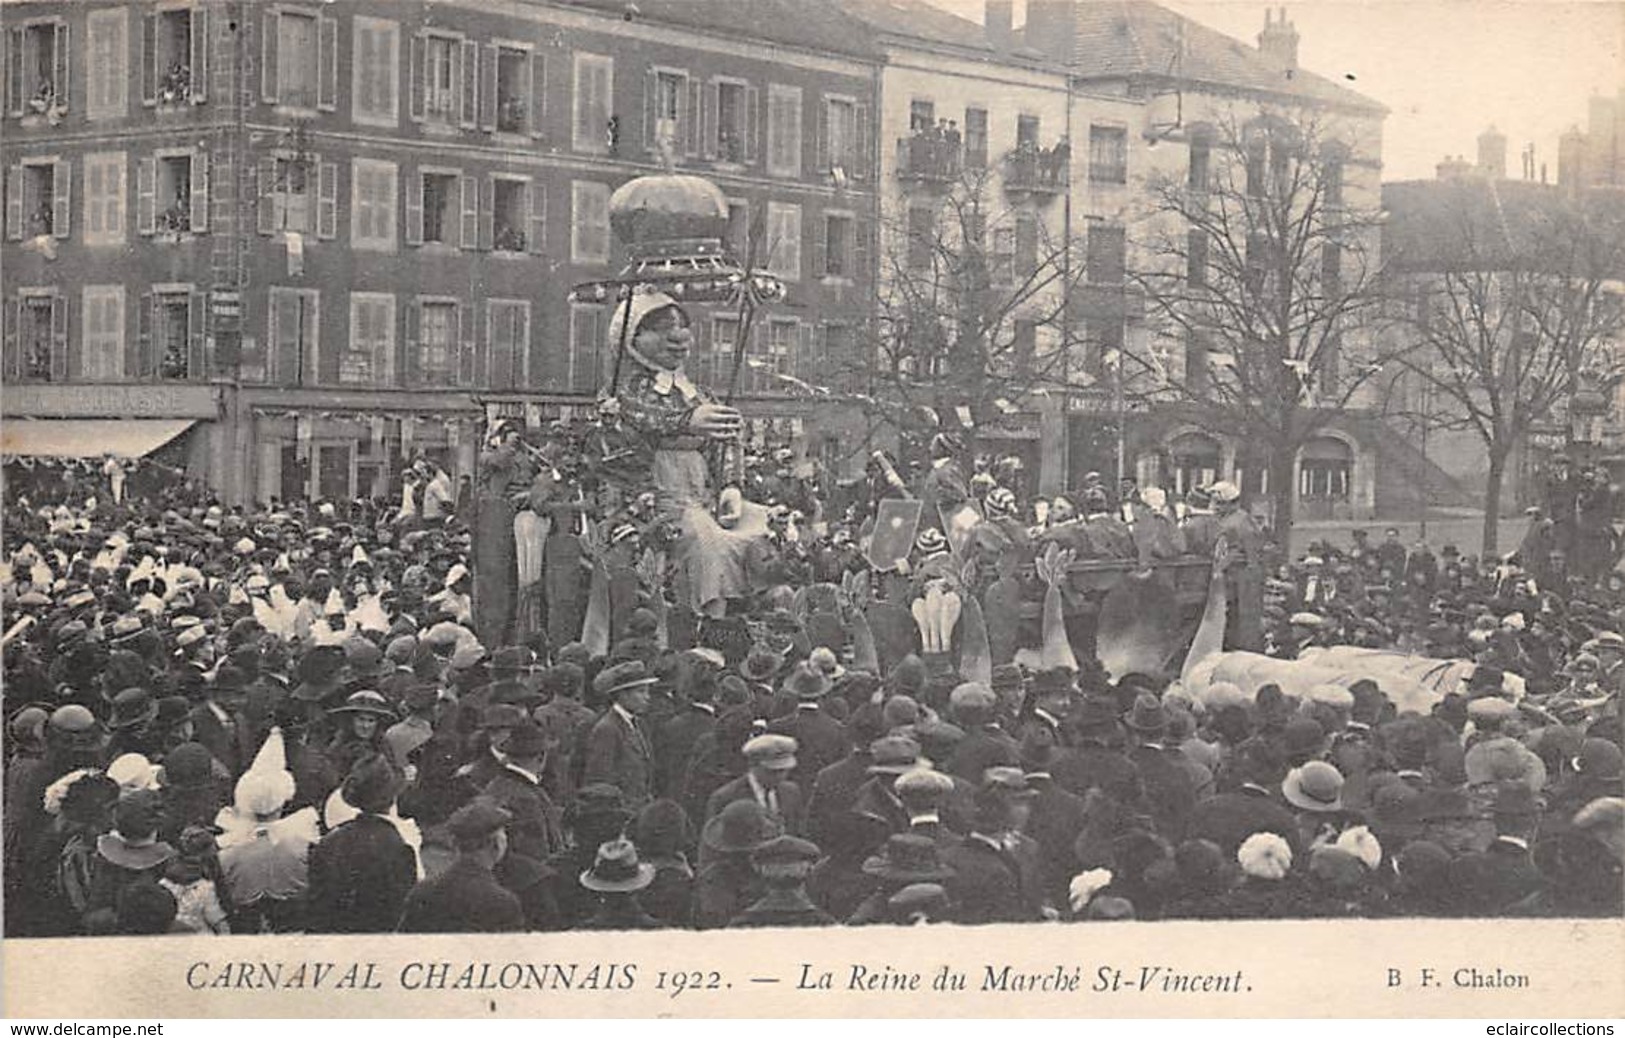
(673,422)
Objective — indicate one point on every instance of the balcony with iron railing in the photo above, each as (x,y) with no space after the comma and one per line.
(929,159)
(1035,171)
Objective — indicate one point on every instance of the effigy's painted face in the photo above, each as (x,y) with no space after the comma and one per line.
(664,337)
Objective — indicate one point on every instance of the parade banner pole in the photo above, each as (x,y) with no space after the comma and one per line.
(620,348)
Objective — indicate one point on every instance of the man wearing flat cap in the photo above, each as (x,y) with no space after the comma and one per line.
(770,759)
(618,750)
(467,898)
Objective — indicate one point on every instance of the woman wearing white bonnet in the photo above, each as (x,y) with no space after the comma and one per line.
(263,855)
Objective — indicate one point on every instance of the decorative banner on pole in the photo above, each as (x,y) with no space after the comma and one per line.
(454,434)
(407,435)
(533,416)
(303,433)
(376,428)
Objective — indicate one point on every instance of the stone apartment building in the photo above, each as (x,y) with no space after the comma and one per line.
(301,243)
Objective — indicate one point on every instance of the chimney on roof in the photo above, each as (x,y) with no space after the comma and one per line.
(1278,43)
(1453,168)
(1492,153)
(999,20)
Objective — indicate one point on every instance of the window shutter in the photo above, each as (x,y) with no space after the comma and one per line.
(327,198)
(200,191)
(753,123)
(409,356)
(267,192)
(465,345)
(806,356)
(822,155)
(414,82)
(268,58)
(413,189)
(536,234)
(494,315)
(146,364)
(860,253)
(471,211)
(488,199)
(59,338)
(521,346)
(538,93)
(61,197)
(860,145)
(63,69)
(196,313)
(651,93)
(200,54)
(469,76)
(149,59)
(13,348)
(14,71)
(695,102)
(146,188)
(488,88)
(710,107)
(14,203)
(327,64)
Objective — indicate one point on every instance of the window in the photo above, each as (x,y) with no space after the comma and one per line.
(589,222)
(1200,175)
(440,194)
(843,136)
(1103,344)
(922,230)
(1332,181)
(587,331)
(784,130)
(1197,373)
(440,79)
(1256,264)
(372,204)
(518,90)
(1026,247)
(102,352)
(293,335)
(669,120)
(922,116)
(37,199)
(1196,247)
(1004,256)
(172,193)
(1106,255)
(174,70)
(510,205)
(107,60)
(172,317)
(1108,154)
(838,246)
(368,357)
(297,43)
(288,198)
(976,138)
(738,240)
(724,336)
(784,240)
(840,349)
(37,58)
(104,198)
(437,343)
(507,344)
(1027,131)
(36,348)
(783,337)
(333,476)
(375,72)
(592,131)
(1324,479)
(1331,270)
(1024,346)
(1257,154)
(735,115)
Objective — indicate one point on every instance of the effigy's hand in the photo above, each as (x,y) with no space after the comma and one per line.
(718,421)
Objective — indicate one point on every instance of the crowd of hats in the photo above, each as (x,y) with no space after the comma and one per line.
(180,677)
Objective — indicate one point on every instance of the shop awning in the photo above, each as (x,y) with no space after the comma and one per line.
(89,437)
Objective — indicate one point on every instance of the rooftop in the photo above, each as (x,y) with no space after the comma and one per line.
(815,25)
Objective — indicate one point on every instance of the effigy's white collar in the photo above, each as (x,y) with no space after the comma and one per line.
(665,379)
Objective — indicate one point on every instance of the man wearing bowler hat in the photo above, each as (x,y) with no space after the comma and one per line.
(467,898)
(535,830)
(618,750)
(361,872)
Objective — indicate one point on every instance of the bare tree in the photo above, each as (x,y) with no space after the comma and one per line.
(1511,311)
(1266,273)
(972,301)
